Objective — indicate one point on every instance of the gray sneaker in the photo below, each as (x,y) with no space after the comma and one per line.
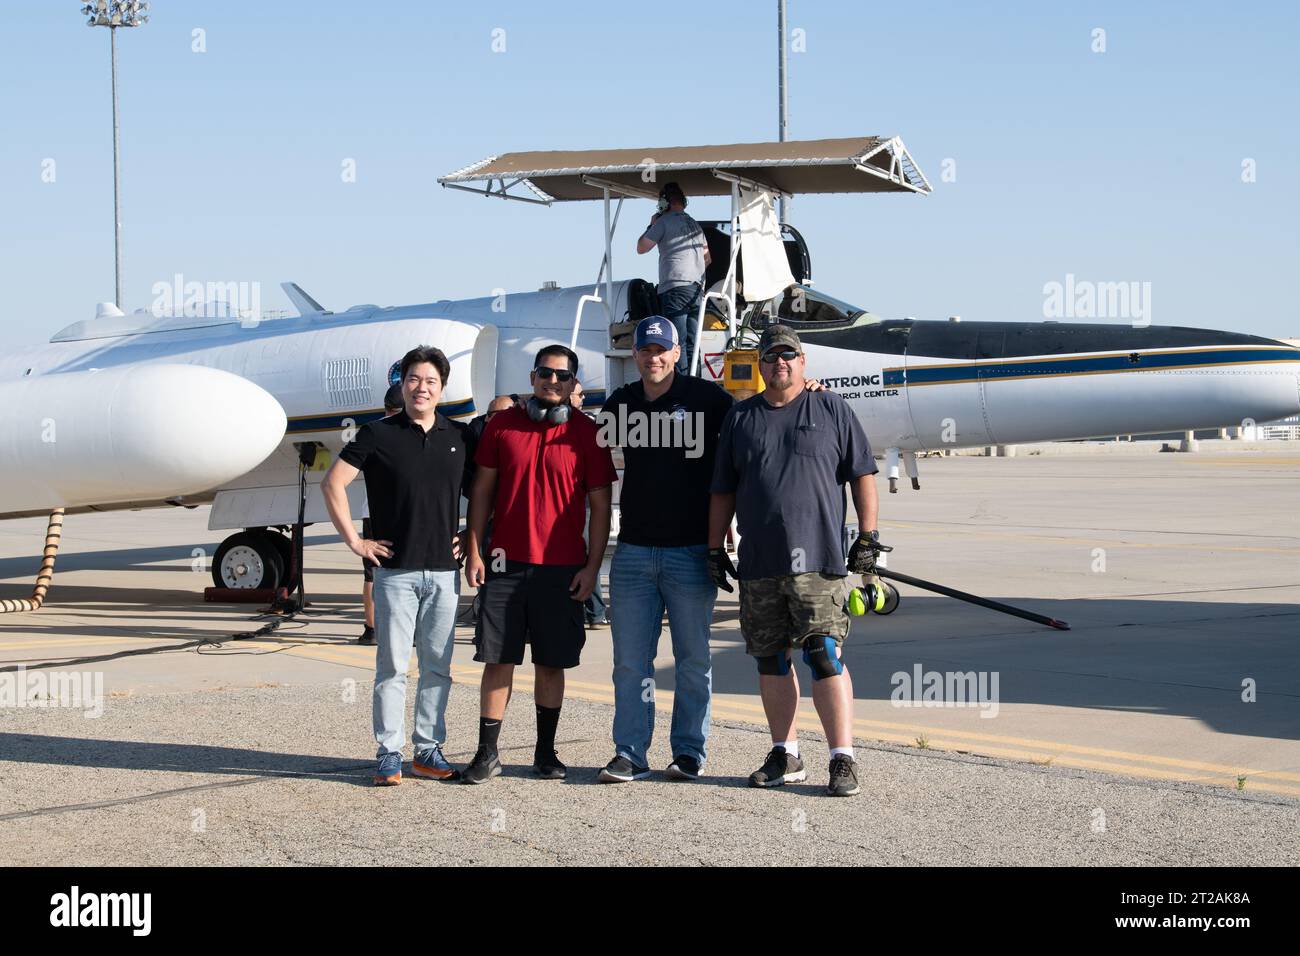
(622,770)
(684,767)
(779,768)
(485,765)
(844,777)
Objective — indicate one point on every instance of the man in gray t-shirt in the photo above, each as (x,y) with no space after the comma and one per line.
(683,256)
(783,459)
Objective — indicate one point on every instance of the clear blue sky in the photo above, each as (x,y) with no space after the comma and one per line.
(1124,165)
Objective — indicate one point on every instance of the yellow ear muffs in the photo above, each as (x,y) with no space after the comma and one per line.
(875,596)
(888,598)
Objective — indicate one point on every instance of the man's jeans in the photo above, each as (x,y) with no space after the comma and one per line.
(419,605)
(593,609)
(681,305)
(642,581)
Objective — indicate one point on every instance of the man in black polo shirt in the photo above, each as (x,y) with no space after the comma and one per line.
(667,425)
(414,463)
(393,403)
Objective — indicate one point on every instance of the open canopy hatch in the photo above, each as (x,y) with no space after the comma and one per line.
(753,174)
(867,164)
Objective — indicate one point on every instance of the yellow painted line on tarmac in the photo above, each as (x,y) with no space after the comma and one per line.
(330,655)
(42,643)
(1040,752)
(938,742)
(1029,750)
(1036,745)
(1092,541)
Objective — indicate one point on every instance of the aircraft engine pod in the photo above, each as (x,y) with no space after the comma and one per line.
(130,433)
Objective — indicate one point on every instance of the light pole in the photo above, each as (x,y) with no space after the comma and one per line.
(114,14)
(782,101)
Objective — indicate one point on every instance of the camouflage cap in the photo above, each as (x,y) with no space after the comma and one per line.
(778,335)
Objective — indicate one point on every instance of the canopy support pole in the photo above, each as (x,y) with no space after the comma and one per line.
(605,274)
(735,257)
(609,258)
(783,102)
(728,294)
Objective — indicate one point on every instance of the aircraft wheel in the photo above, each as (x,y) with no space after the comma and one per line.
(249,560)
(284,544)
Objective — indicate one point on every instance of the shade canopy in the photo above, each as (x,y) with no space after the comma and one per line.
(868,164)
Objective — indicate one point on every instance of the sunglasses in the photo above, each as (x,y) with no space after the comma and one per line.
(789,355)
(546,373)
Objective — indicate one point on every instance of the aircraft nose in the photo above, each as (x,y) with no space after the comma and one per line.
(218,425)
(130,433)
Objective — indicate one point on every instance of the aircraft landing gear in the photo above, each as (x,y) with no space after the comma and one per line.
(253,559)
(891,469)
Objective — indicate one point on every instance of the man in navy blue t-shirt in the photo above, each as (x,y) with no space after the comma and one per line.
(784,457)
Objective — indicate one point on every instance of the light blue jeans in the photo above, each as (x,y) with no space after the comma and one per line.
(419,605)
(642,582)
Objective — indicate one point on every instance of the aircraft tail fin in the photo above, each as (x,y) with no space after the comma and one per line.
(304,303)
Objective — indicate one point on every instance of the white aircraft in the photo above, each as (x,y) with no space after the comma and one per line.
(141,411)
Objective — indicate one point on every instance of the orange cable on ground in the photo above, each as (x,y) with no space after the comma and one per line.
(53,534)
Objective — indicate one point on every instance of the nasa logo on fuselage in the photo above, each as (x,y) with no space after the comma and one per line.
(840,383)
(395,373)
(851,381)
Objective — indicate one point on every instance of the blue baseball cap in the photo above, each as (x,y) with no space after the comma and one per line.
(655,330)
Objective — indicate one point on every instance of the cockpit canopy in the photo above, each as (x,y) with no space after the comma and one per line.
(802,306)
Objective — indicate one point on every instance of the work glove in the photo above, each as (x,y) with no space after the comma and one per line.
(719,567)
(863,554)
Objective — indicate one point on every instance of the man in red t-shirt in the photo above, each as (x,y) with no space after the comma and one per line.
(538,470)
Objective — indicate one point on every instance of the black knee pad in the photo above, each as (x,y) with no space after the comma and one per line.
(819,654)
(773,665)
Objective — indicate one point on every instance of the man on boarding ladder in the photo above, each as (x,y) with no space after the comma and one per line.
(683,257)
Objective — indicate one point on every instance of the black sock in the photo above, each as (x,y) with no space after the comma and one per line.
(488,731)
(548,718)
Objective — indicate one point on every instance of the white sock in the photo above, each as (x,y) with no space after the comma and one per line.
(847,751)
(791,747)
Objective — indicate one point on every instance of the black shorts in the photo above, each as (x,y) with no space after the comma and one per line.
(367,569)
(529,604)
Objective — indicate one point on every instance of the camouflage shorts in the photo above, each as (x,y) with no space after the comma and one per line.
(778,613)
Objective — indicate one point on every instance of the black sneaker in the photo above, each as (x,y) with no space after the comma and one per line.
(548,766)
(684,768)
(779,768)
(844,777)
(485,765)
(367,637)
(622,770)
